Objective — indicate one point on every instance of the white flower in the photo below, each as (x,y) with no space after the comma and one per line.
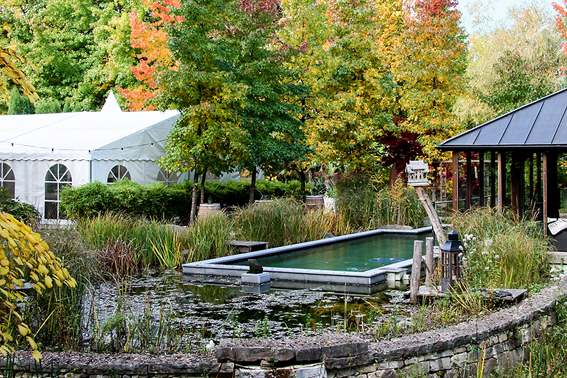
(487,268)
(496,257)
(484,253)
(488,242)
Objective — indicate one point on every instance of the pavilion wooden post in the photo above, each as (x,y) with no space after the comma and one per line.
(468,194)
(455,169)
(492,179)
(501,184)
(481,178)
(545,193)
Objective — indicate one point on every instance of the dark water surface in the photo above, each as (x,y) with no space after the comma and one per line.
(353,255)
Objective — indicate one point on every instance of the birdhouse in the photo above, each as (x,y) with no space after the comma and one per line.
(417,173)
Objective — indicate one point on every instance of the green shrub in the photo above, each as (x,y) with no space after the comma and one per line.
(502,251)
(20,210)
(155,200)
(237,193)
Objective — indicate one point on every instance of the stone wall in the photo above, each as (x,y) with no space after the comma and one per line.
(499,340)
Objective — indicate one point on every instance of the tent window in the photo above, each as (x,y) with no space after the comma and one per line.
(168,178)
(56,178)
(118,172)
(8,179)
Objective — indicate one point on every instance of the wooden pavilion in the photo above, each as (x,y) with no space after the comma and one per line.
(511,161)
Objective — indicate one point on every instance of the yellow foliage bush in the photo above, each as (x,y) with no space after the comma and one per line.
(24,257)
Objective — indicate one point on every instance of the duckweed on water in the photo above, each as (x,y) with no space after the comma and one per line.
(165,313)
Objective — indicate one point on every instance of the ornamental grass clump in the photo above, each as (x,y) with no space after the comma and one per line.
(209,237)
(283,222)
(502,251)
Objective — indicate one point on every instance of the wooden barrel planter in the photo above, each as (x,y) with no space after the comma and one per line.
(314,202)
(206,209)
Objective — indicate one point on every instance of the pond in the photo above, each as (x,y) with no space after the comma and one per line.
(168,313)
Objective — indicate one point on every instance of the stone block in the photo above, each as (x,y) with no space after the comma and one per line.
(250,373)
(460,359)
(388,374)
(503,337)
(440,364)
(367,369)
(314,371)
(390,365)
(255,279)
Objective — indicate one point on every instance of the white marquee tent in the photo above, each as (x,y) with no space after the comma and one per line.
(40,153)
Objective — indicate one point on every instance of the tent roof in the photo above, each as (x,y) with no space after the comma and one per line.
(541,125)
(76,135)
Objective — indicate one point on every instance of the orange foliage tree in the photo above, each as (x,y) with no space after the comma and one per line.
(151,39)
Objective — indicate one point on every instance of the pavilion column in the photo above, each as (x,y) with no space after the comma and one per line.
(493,170)
(481,178)
(455,170)
(501,181)
(468,194)
(517,183)
(553,194)
(545,193)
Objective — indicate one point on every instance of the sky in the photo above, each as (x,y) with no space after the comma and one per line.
(494,12)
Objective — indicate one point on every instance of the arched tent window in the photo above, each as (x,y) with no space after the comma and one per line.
(118,172)
(168,178)
(56,178)
(8,179)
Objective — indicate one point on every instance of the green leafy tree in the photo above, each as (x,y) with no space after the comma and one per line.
(19,104)
(355,86)
(523,55)
(269,109)
(48,105)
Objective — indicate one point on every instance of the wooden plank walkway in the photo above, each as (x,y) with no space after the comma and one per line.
(249,246)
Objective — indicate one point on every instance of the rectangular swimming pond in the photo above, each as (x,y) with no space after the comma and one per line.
(360,263)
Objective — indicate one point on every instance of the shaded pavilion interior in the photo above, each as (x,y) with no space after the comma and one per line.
(512,161)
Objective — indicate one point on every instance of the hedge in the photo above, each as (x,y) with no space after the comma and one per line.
(158,201)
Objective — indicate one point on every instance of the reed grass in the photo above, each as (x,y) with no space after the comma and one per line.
(283,222)
(365,207)
(502,251)
(209,237)
(145,236)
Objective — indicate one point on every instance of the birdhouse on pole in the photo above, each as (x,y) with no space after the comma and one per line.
(417,173)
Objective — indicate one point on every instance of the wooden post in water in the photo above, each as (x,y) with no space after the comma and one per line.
(416,270)
(429,261)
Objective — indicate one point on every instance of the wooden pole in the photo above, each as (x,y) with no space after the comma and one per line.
(429,261)
(455,169)
(501,190)
(481,178)
(545,194)
(492,179)
(416,270)
(468,194)
(432,214)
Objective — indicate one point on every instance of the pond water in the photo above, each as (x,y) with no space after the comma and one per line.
(181,316)
(357,255)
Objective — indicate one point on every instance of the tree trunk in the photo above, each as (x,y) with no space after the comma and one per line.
(203,186)
(252,186)
(194,198)
(393,175)
(302,179)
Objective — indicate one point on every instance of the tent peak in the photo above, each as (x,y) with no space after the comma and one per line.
(111,105)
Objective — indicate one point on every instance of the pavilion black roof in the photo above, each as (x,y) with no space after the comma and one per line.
(541,125)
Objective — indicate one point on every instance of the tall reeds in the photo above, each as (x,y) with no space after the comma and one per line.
(364,207)
(282,222)
(502,251)
(210,237)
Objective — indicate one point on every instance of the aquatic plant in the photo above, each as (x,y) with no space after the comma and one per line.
(502,251)
(283,222)
(363,206)
(209,237)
